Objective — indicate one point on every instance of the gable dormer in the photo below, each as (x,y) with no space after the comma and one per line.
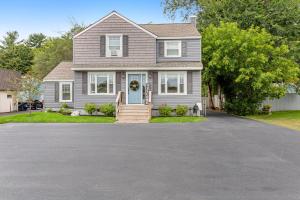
(114,39)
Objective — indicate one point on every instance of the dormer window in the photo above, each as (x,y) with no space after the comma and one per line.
(172,48)
(114,45)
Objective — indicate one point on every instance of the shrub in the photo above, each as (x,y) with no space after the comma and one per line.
(107,109)
(266,109)
(65,111)
(164,110)
(49,110)
(181,110)
(64,105)
(90,108)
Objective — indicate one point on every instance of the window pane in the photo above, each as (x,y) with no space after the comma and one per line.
(172,45)
(114,42)
(66,92)
(162,84)
(172,52)
(101,84)
(181,83)
(172,84)
(111,84)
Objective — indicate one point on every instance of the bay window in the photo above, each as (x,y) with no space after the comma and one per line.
(101,83)
(65,91)
(172,48)
(114,45)
(172,83)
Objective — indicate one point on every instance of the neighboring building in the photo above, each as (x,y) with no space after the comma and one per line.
(136,64)
(8,87)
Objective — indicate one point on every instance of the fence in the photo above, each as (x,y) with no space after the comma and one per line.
(288,102)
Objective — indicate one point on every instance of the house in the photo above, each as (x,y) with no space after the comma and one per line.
(138,67)
(8,90)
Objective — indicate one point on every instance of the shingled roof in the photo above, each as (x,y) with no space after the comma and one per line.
(172,30)
(61,72)
(8,79)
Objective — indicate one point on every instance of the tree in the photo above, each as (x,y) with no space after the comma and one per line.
(247,65)
(35,40)
(55,50)
(14,55)
(29,88)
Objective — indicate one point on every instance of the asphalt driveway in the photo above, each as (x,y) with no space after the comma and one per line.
(223,158)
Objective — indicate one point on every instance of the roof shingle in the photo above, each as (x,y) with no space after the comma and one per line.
(172,30)
(8,79)
(61,72)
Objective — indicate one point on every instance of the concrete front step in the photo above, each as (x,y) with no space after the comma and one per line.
(132,121)
(133,114)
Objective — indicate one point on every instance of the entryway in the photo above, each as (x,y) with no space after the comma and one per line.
(135,87)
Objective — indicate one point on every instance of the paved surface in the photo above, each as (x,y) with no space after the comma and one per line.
(223,158)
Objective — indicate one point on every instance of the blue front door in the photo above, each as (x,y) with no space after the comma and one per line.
(135,86)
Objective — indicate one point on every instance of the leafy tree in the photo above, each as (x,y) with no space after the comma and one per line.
(247,65)
(29,88)
(14,55)
(55,50)
(35,40)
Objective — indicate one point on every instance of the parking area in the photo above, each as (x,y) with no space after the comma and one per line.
(224,158)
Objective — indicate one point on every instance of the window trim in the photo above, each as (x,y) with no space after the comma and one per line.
(178,73)
(102,73)
(179,49)
(61,92)
(107,51)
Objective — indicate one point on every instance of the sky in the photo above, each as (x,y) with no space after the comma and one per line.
(54,17)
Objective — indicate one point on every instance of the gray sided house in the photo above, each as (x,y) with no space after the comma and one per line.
(137,67)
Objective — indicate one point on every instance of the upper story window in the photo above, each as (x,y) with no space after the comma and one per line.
(101,83)
(65,92)
(114,45)
(172,48)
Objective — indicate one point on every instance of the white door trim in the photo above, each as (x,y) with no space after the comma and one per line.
(141,73)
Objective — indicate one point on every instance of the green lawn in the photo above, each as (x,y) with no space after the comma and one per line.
(176,119)
(43,117)
(289,119)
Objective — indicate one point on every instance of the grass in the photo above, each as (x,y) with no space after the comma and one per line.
(43,117)
(288,119)
(177,119)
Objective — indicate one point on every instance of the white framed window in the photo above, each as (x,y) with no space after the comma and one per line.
(114,45)
(172,83)
(101,83)
(172,48)
(65,91)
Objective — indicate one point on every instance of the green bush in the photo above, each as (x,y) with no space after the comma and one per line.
(49,110)
(266,109)
(181,110)
(64,105)
(241,107)
(165,110)
(65,111)
(107,109)
(90,108)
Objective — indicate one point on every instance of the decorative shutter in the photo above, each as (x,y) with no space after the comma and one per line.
(189,82)
(154,82)
(125,45)
(84,82)
(102,45)
(161,49)
(118,81)
(56,91)
(184,48)
(73,92)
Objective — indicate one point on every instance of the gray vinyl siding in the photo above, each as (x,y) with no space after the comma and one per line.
(141,45)
(173,100)
(82,99)
(193,51)
(49,96)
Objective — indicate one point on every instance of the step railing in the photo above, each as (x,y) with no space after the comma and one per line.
(119,101)
(150,103)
